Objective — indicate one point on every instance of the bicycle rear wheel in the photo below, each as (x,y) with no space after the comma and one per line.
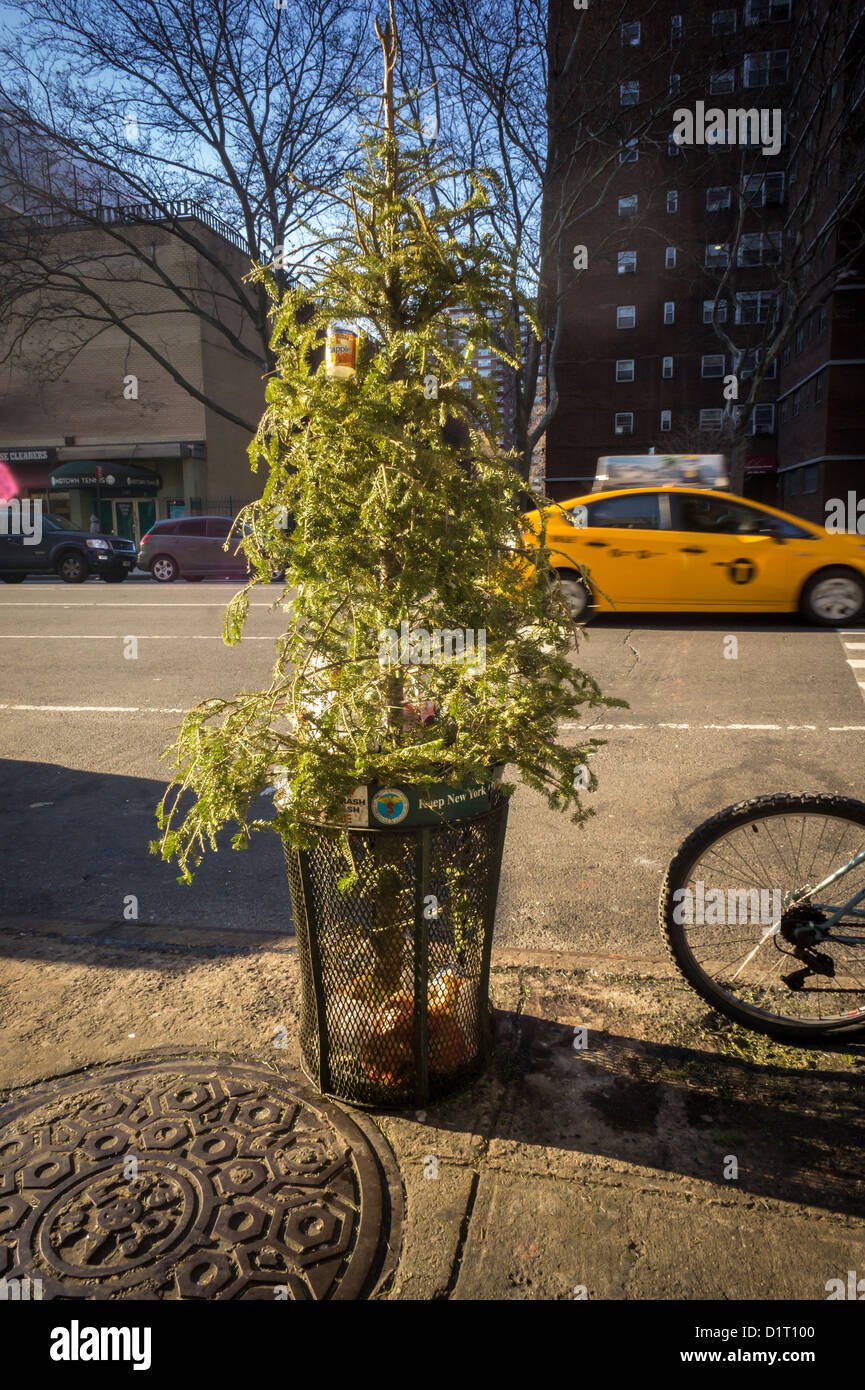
(727,915)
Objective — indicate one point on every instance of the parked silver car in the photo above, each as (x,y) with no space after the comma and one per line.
(191,548)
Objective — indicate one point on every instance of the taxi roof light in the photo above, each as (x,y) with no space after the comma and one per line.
(661,470)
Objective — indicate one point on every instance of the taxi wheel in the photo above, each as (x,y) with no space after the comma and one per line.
(577,597)
(835,595)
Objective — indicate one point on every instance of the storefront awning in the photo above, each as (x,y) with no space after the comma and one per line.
(110,477)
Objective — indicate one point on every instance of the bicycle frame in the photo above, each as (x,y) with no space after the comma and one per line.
(835,913)
(848,908)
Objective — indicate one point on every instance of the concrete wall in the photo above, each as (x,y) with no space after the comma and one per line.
(69,379)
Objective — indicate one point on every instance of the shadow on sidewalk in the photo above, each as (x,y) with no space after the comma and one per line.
(75,847)
(796,1135)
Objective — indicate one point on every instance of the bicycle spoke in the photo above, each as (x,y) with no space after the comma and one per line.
(779,965)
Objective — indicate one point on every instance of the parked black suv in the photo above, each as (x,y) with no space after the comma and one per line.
(62,549)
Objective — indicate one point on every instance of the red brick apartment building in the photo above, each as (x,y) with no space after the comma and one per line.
(686,241)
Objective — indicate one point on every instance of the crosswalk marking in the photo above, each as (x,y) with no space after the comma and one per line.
(855,663)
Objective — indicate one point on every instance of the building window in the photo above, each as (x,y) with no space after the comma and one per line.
(670,258)
(624,422)
(800,340)
(712,364)
(666,421)
(631,34)
(710,419)
(763,11)
(721,82)
(723,22)
(764,69)
(753,306)
(717,199)
(625,369)
(669,311)
(629,93)
(709,310)
(784,411)
(751,360)
(666,367)
(626,315)
(627,262)
(759,248)
(785,360)
(672,200)
(672,145)
(810,477)
(628,205)
(675,84)
(629,153)
(717,255)
(824,319)
(818,390)
(675,27)
(797,395)
(763,190)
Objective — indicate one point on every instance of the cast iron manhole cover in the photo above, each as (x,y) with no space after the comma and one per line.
(189,1179)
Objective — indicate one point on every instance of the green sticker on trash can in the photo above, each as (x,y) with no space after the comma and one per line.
(375,807)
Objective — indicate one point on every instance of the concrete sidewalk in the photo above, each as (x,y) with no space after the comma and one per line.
(675,1156)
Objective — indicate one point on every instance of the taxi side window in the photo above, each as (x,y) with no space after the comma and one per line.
(717,516)
(791,532)
(635,512)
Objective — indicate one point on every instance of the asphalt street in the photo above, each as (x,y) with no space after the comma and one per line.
(83,724)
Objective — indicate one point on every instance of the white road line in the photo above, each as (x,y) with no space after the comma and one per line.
(580,728)
(116,637)
(856,664)
(163,607)
(778,728)
(96,709)
(743,726)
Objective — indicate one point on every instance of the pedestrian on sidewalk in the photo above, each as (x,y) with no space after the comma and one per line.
(94,524)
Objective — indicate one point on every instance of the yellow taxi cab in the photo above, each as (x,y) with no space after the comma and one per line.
(680,549)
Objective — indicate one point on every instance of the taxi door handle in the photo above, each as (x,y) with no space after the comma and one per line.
(599,545)
(692,550)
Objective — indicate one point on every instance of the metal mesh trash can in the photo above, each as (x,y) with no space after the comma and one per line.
(394,930)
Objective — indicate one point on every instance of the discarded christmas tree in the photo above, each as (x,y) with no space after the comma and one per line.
(420,651)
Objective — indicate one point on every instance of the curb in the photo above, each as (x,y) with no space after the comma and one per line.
(154,936)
